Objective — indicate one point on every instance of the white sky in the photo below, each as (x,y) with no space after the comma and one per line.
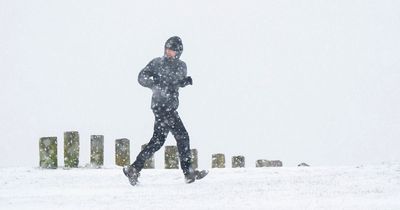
(300,81)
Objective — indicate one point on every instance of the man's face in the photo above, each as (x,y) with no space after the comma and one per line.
(170,53)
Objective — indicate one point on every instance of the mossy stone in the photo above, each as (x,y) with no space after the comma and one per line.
(97,150)
(218,160)
(171,157)
(194,158)
(149,163)
(238,161)
(71,149)
(48,153)
(122,152)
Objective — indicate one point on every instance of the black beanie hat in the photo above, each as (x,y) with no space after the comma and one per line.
(174,43)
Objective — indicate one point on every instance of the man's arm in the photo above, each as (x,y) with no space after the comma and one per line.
(147,77)
(186,80)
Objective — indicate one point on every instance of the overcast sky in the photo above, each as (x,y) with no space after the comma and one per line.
(299,81)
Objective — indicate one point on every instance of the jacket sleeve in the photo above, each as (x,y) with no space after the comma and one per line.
(146,76)
(183,68)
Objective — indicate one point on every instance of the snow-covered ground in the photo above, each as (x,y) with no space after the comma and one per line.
(358,187)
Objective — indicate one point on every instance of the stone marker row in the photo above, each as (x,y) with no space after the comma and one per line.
(218,161)
(48,154)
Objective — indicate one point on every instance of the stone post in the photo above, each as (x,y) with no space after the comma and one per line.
(303,165)
(194,157)
(122,152)
(48,152)
(263,163)
(218,160)
(238,161)
(97,150)
(71,149)
(149,164)
(171,157)
(276,163)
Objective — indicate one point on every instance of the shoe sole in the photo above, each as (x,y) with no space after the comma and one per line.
(125,171)
(132,180)
(190,181)
(201,174)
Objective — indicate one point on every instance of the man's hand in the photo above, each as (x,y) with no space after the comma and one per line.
(156,79)
(186,81)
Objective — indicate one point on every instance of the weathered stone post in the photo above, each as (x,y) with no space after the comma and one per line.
(122,152)
(71,149)
(149,164)
(276,163)
(238,161)
(97,150)
(218,160)
(263,163)
(303,165)
(194,157)
(171,157)
(48,152)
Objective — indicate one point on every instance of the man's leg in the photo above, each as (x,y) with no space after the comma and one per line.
(182,140)
(160,133)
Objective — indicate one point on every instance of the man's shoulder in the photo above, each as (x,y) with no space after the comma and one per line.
(156,60)
(182,63)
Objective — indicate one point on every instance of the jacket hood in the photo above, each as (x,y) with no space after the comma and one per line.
(174,43)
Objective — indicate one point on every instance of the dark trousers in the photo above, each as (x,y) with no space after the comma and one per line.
(165,122)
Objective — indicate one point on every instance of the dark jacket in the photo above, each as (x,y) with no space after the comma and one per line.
(164,76)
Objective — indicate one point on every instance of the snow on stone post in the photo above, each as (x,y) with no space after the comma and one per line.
(122,152)
(238,161)
(218,160)
(194,158)
(149,164)
(263,163)
(71,149)
(96,150)
(48,152)
(171,157)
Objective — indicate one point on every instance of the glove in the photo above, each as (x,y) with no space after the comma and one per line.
(186,81)
(156,79)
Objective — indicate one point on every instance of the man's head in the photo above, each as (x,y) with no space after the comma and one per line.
(173,47)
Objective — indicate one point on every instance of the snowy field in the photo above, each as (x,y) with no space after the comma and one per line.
(359,187)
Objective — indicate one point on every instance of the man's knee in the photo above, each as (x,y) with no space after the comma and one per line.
(182,137)
(157,142)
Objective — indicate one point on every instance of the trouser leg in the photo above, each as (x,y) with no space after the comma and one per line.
(160,133)
(182,140)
